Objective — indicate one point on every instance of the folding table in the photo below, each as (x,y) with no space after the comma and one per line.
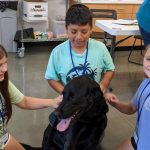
(115,29)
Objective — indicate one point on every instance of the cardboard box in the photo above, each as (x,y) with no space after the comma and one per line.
(35,10)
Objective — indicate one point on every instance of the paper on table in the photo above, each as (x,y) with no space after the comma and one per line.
(125,22)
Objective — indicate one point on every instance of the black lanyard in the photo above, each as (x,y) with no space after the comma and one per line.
(84,66)
(2,112)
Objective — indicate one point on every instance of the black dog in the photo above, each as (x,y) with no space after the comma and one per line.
(80,120)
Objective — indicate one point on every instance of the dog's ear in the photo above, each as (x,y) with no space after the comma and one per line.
(95,92)
(97,96)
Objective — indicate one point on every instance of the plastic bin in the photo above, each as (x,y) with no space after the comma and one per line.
(58,28)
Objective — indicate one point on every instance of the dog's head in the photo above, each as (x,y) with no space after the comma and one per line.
(82,99)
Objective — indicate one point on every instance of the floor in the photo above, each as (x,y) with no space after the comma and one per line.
(28,75)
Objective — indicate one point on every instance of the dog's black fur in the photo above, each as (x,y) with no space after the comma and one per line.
(83,99)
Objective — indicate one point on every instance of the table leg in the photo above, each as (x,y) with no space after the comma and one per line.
(113,46)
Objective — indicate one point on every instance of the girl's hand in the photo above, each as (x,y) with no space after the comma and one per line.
(111,99)
(57,101)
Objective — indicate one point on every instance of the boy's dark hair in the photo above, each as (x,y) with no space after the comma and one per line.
(78,14)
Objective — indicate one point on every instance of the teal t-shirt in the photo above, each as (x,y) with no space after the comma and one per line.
(143,15)
(60,67)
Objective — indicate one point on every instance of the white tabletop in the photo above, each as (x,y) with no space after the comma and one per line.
(114,29)
(111,1)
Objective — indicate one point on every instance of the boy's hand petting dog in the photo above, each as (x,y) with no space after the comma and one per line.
(111,99)
(57,101)
(103,88)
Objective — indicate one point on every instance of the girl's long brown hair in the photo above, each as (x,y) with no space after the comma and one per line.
(4,87)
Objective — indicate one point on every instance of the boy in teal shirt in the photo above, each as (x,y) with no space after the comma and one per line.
(79,55)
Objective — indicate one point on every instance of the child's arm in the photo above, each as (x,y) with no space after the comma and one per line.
(38,103)
(56,85)
(107,77)
(126,108)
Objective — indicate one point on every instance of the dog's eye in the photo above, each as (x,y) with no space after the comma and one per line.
(71,96)
(71,93)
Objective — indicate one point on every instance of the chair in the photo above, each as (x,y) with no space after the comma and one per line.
(102,14)
(136,37)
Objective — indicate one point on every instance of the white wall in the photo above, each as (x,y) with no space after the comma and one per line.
(56,8)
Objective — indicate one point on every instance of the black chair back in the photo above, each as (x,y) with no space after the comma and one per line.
(102,14)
